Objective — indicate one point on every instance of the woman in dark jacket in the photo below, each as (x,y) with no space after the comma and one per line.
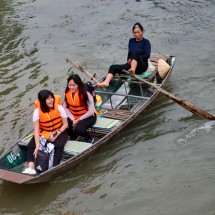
(139,50)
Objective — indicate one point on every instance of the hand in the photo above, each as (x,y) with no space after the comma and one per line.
(36,151)
(54,135)
(75,122)
(129,62)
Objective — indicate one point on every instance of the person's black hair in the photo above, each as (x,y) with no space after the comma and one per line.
(138,25)
(82,89)
(42,96)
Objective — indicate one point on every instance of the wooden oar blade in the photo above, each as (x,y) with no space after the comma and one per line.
(185,104)
(192,108)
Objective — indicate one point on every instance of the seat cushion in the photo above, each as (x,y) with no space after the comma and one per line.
(105,123)
(76,147)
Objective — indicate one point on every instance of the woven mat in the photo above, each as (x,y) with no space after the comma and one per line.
(107,123)
(76,147)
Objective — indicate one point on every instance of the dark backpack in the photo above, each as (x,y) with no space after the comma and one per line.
(91,89)
(42,161)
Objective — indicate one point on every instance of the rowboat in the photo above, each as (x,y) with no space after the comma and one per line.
(122,102)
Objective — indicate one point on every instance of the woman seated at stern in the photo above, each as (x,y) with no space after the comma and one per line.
(79,106)
(139,50)
(50,122)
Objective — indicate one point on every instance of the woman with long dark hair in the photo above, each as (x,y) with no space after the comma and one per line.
(50,123)
(79,106)
(139,50)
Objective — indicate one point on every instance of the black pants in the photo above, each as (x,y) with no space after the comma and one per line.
(81,128)
(58,150)
(141,66)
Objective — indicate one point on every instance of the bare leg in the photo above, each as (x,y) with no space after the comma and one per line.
(133,66)
(31,165)
(106,82)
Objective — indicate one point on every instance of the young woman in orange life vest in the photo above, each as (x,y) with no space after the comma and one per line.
(50,121)
(79,106)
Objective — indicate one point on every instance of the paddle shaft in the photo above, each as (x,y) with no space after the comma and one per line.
(185,104)
(80,68)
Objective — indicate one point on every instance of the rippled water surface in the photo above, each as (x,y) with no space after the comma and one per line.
(162,163)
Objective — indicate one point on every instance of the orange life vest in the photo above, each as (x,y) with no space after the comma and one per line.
(51,121)
(76,106)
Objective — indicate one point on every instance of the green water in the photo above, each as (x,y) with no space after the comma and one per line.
(163,163)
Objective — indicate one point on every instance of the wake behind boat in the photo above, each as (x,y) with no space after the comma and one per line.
(122,102)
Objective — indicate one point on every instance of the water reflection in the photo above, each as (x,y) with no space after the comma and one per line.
(20,71)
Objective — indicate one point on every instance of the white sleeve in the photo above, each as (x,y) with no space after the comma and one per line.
(36,115)
(62,112)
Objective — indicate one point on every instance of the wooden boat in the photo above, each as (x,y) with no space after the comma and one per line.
(122,102)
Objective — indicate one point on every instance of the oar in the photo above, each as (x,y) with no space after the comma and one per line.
(185,104)
(80,68)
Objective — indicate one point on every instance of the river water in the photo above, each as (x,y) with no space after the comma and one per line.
(163,162)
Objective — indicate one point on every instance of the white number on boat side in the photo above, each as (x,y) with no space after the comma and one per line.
(11,157)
